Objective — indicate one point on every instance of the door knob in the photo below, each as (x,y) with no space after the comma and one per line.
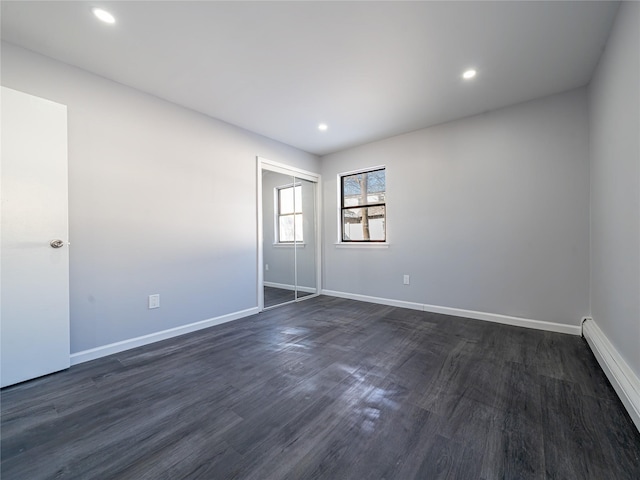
(56,243)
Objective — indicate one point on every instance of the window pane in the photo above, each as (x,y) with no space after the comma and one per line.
(285,200)
(286,228)
(364,224)
(364,188)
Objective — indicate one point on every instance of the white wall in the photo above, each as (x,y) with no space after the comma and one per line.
(614,122)
(162,200)
(489,213)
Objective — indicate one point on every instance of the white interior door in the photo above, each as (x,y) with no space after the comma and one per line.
(34,275)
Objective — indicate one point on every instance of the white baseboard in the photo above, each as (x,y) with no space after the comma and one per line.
(506,319)
(622,378)
(381,301)
(458,312)
(103,351)
(284,286)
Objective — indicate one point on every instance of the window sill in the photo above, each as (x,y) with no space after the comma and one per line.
(289,245)
(361,245)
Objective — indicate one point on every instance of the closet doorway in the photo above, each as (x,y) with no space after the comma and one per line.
(289,234)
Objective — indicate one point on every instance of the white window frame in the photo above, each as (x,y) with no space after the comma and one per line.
(374,244)
(276,216)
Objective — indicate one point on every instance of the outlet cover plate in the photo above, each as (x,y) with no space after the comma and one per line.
(154,301)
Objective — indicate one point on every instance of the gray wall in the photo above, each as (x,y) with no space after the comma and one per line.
(489,213)
(281,258)
(162,200)
(614,116)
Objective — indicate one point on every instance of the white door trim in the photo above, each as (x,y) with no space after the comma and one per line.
(265,164)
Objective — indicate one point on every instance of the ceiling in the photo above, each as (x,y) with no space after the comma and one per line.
(369,70)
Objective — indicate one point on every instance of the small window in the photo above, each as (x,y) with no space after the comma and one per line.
(363,206)
(289,214)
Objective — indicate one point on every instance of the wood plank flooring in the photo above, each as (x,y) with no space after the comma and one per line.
(275,296)
(327,389)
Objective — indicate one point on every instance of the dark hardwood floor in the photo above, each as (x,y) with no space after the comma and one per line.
(327,388)
(275,296)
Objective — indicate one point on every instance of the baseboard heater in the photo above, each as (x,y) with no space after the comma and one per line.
(624,381)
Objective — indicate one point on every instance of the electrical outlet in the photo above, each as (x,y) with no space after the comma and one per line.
(266,267)
(406,280)
(154,301)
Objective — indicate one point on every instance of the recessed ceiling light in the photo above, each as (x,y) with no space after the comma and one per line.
(469,74)
(103,15)
(322,127)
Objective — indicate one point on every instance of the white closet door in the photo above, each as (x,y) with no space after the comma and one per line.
(34,251)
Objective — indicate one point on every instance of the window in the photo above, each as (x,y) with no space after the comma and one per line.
(289,213)
(363,206)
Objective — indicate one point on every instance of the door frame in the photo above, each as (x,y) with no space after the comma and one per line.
(265,164)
